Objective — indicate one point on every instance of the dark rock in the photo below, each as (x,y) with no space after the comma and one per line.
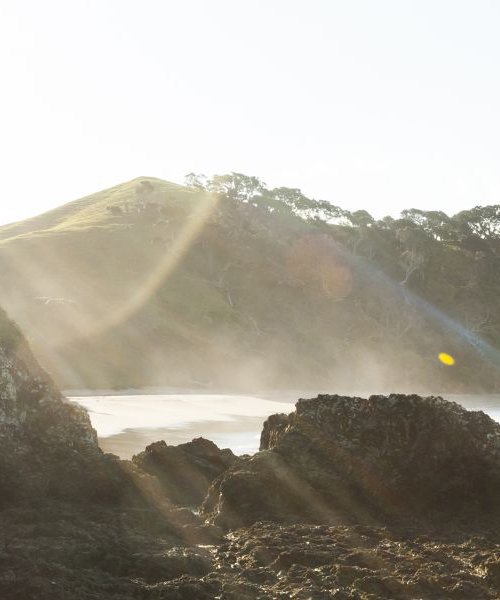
(259,489)
(186,471)
(272,429)
(340,459)
(48,448)
(72,517)
(46,441)
(172,564)
(359,562)
(184,588)
(492,570)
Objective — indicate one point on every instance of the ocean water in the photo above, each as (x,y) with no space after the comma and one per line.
(125,424)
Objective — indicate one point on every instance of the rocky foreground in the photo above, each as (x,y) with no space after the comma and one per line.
(348,498)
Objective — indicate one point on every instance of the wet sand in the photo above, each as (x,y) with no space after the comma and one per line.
(242,436)
(126,424)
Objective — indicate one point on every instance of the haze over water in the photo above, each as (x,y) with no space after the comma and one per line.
(126,424)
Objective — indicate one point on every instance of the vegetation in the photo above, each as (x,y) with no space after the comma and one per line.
(226,283)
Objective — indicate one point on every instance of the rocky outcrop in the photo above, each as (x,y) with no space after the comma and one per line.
(355,460)
(186,471)
(273,427)
(77,523)
(48,448)
(30,403)
(74,521)
(45,439)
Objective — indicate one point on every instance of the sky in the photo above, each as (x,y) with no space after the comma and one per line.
(381,105)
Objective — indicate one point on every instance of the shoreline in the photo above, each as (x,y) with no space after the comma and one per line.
(240,436)
(271,394)
(126,423)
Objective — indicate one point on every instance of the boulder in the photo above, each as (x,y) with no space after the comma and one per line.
(272,429)
(186,471)
(342,459)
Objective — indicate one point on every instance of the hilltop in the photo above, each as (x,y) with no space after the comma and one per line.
(224,283)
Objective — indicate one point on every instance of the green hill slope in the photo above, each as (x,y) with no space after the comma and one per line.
(152,283)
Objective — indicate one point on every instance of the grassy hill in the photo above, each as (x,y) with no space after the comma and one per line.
(227,284)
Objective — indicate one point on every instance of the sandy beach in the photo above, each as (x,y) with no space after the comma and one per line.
(127,423)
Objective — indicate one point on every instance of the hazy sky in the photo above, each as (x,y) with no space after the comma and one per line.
(380,104)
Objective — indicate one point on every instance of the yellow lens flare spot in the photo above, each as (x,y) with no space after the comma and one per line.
(446,359)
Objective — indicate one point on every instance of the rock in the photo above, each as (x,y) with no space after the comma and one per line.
(185,588)
(73,518)
(186,471)
(45,440)
(341,459)
(75,521)
(48,448)
(492,570)
(351,561)
(273,427)
(174,563)
(259,489)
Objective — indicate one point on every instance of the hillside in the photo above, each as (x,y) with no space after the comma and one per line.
(223,283)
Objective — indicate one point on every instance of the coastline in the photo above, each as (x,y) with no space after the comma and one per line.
(127,422)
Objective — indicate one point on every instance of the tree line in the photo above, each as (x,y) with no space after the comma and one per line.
(469,227)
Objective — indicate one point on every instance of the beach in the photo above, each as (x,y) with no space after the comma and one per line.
(127,423)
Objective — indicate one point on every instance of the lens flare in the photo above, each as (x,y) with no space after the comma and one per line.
(446,359)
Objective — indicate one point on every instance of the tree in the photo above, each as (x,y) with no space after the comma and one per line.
(304,207)
(236,186)
(411,260)
(434,222)
(386,223)
(361,218)
(198,181)
(293,198)
(483,221)
(415,243)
